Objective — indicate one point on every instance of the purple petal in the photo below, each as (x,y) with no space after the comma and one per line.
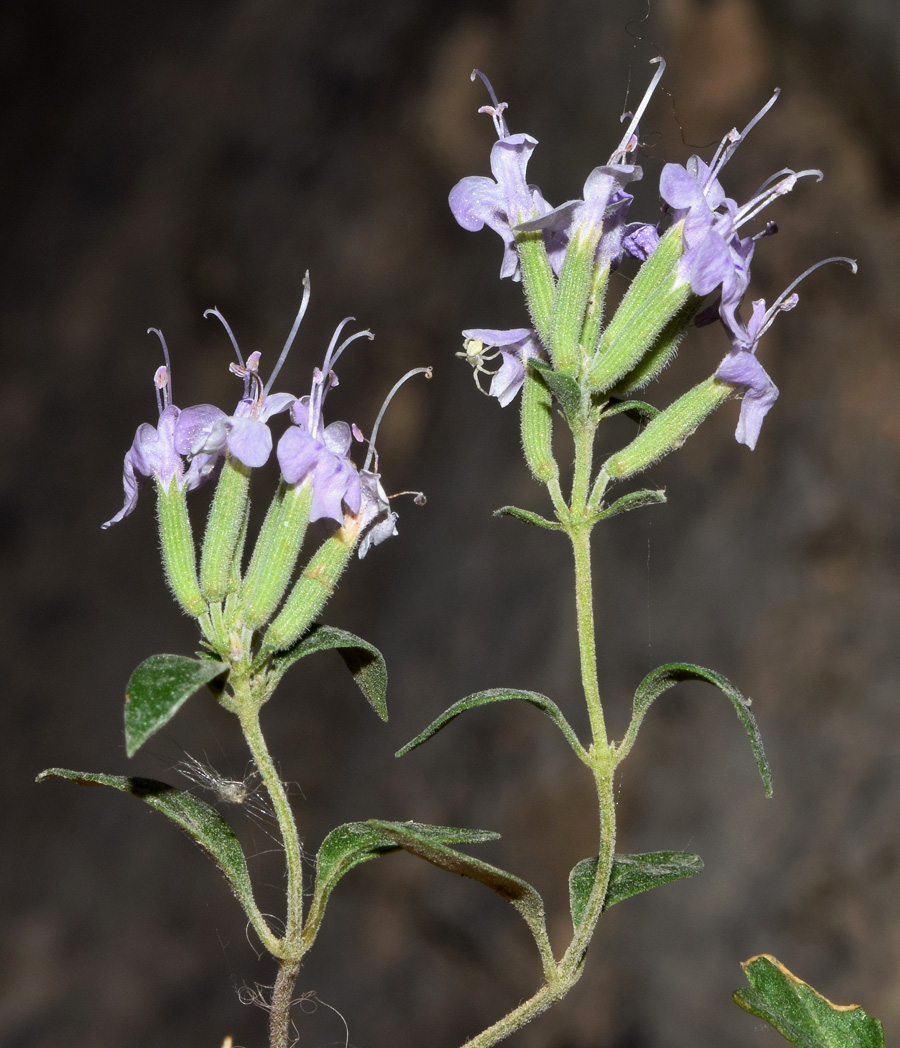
(508,380)
(130,484)
(250,441)
(743,369)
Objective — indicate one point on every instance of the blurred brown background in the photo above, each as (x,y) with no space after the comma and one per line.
(161,158)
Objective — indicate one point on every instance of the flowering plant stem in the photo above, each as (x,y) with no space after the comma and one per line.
(601,757)
(290,948)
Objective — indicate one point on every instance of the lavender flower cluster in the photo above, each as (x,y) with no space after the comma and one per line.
(715,260)
(188,446)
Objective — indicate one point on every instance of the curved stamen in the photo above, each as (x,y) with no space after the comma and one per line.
(758,203)
(625,146)
(359,334)
(293,333)
(427,372)
(331,356)
(780,303)
(495,110)
(733,139)
(214,312)
(163,377)
(418,496)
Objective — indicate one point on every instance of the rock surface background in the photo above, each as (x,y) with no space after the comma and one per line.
(164,158)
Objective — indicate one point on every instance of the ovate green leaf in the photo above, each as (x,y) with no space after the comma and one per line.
(631,874)
(158,688)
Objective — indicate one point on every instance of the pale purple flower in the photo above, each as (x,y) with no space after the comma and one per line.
(506,200)
(597,221)
(246,433)
(376,520)
(166,451)
(741,368)
(311,450)
(714,254)
(515,346)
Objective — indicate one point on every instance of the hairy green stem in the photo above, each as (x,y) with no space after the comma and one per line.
(561,976)
(249,718)
(280,1005)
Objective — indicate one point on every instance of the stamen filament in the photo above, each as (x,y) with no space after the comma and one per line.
(496,110)
(427,372)
(293,333)
(623,149)
(778,305)
(166,387)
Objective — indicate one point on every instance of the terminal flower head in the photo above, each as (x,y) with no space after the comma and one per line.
(506,200)
(515,346)
(166,451)
(741,368)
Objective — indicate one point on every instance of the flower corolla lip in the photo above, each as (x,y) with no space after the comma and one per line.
(507,199)
(502,202)
(516,346)
(741,368)
(161,452)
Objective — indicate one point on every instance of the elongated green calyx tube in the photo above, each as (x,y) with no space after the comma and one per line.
(275,553)
(312,590)
(669,430)
(538,281)
(537,427)
(593,314)
(223,529)
(572,295)
(652,300)
(179,555)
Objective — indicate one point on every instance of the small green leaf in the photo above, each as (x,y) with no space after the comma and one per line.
(631,874)
(800,1014)
(665,677)
(355,842)
(364,660)
(637,410)
(198,820)
(563,387)
(158,688)
(484,698)
(530,518)
(633,500)
(425,846)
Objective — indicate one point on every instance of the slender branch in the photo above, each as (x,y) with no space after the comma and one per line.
(249,718)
